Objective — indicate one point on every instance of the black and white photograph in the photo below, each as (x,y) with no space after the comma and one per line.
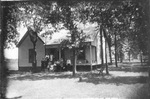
(75,49)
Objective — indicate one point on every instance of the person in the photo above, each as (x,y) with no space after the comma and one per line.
(61,64)
(51,58)
(49,66)
(46,61)
(68,64)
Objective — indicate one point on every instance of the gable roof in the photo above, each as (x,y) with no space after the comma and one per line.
(58,37)
(24,37)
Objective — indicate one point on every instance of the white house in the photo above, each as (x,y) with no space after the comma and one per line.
(88,59)
(25,48)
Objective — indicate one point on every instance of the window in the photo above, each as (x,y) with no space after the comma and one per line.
(31,55)
(81,55)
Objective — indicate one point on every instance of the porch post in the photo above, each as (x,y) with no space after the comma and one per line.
(91,56)
(45,48)
(59,53)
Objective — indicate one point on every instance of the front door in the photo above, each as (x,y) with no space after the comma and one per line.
(53,52)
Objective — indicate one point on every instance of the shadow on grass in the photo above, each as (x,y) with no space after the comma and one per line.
(131,62)
(109,79)
(129,69)
(87,77)
(142,93)
(42,76)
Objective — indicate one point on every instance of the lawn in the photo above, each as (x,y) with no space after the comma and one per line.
(128,84)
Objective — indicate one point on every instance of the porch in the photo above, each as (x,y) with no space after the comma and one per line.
(86,59)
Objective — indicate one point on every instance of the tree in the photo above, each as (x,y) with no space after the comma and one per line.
(108,16)
(125,17)
(32,15)
(147,10)
(37,15)
(109,41)
(116,17)
(135,34)
(49,16)
(71,17)
(107,71)
(99,14)
(9,24)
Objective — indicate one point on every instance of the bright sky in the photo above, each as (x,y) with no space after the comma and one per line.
(13,53)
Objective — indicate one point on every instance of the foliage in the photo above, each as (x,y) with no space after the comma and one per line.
(29,14)
(72,16)
(8,24)
(126,19)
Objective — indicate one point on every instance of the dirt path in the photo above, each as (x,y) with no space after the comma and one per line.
(71,88)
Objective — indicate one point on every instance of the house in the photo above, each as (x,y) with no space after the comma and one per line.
(88,58)
(25,55)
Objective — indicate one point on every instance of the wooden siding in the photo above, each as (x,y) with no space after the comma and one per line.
(23,59)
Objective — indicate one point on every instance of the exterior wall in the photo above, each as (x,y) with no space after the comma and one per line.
(97,43)
(107,51)
(94,54)
(68,54)
(108,57)
(104,50)
(87,54)
(23,58)
(94,43)
(97,39)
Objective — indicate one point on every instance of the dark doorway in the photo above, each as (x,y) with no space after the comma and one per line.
(54,52)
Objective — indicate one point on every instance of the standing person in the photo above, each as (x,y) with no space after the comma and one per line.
(69,64)
(51,62)
(51,58)
(46,62)
(49,67)
(61,64)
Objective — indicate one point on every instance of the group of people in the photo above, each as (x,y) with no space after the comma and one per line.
(48,63)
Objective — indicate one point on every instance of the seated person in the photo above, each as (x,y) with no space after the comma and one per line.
(68,63)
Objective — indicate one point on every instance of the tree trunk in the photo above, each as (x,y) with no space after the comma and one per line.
(141,58)
(107,72)
(3,68)
(110,56)
(34,63)
(116,51)
(118,56)
(148,10)
(101,40)
(74,62)
(129,56)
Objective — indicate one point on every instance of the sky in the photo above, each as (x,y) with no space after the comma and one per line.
(13,53)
